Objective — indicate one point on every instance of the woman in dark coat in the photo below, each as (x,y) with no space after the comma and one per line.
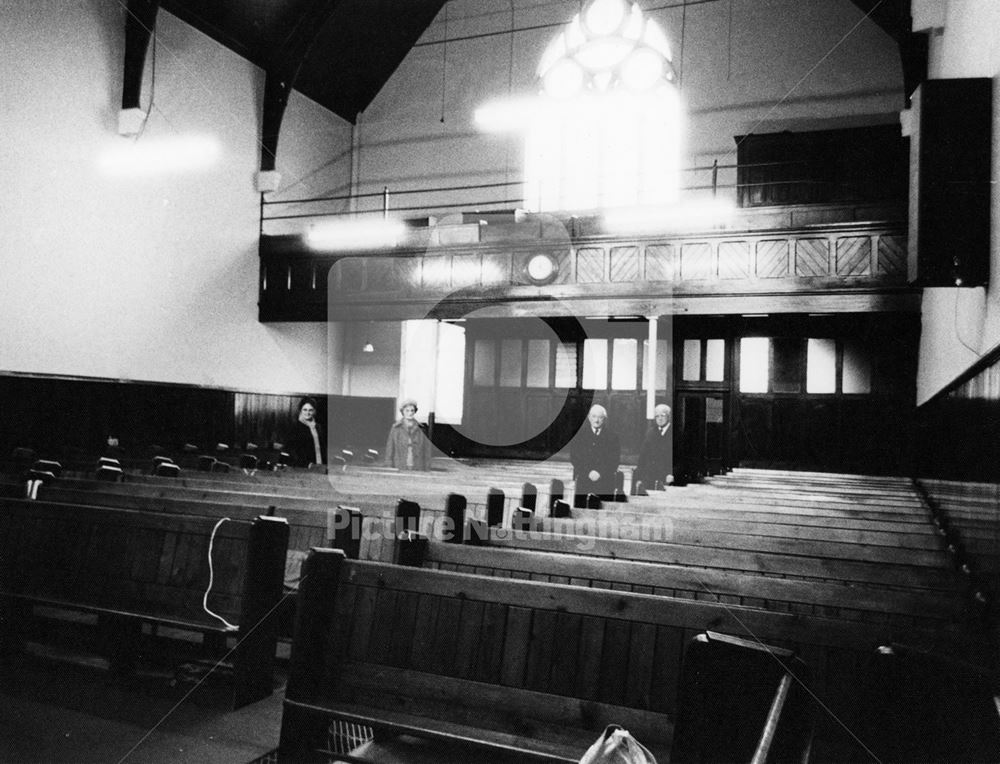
(306,444)
(407,447)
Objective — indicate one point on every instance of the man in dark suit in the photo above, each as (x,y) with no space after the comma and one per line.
(656,456)
(595,453)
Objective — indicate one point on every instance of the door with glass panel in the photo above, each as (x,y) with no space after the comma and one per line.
(828,393)
(702,401)
(530,383)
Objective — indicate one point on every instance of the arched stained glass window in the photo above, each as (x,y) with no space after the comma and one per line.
(607,133)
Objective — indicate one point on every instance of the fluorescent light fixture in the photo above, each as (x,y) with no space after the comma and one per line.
(684,216)
(506,115)
(152,156)
(356,233)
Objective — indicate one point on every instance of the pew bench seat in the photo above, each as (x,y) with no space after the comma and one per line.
(503,666)
(127,569)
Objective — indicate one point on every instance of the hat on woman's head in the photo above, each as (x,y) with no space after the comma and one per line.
(408,402)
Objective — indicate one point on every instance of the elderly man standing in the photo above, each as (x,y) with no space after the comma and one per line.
(595,453)
(655,466)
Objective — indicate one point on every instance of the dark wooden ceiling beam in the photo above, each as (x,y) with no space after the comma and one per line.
(282,71)
(140,20)
(894,18)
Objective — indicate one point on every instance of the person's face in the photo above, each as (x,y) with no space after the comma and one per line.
(596,419)
(409,412)
(661,417)
(308,412)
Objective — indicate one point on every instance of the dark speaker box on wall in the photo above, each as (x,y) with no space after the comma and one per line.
(950,166)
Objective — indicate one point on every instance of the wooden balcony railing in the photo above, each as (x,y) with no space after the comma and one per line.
(783,259)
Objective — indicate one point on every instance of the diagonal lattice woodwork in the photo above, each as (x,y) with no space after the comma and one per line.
(854,255)
(659,262)
(772,258)
(734,260)
(812,257)
(589,265)
(848,267)
(891,255)
(624,263)
(696,261)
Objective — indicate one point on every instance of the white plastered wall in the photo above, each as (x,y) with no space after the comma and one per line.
(151,278)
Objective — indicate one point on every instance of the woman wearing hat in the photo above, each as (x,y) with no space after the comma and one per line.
(408,447)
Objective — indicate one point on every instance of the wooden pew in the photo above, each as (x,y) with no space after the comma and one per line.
(855,561)
(498,664)
(522,668)
(905,608)
(750,561)
(706,527)
(134,568)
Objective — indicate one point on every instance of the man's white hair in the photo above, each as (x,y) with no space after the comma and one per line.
(597,408)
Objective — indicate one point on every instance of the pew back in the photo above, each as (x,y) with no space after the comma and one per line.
(132,567)
(524,668)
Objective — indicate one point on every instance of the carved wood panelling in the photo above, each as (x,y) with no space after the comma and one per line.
(854,256)
(435,273)
(812,257)
(734,259)
(497,270)
(772,259)
(696,261)
(891,255)
(659,262)
(466,271)
(624,263)
(564,267)
(590,265)
(607,271)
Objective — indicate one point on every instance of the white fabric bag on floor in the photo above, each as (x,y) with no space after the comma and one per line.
(617,746)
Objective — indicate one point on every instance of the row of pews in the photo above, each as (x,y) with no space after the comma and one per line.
(455,615)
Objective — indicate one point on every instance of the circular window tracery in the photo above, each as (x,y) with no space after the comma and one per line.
(608,45)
